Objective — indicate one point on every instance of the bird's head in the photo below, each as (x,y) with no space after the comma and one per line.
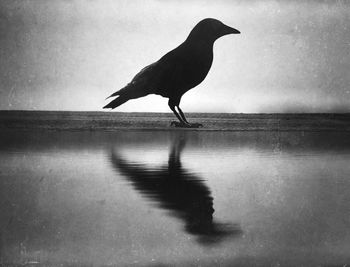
(211,29)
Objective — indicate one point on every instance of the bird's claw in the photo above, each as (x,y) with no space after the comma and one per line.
(185,125)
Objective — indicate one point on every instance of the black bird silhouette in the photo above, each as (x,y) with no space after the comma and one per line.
(178,71)
(180,192)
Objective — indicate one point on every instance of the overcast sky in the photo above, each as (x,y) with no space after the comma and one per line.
(292,56)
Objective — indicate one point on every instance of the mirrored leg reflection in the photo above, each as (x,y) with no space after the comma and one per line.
(179,191)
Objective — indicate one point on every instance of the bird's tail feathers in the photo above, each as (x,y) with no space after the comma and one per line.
(128,92)
(116,102)
(122,91)
(114,94)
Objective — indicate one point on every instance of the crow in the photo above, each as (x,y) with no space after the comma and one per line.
(177,71)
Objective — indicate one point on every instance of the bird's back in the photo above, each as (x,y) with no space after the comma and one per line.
(175,73)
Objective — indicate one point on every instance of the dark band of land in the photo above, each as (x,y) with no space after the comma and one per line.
(68,120)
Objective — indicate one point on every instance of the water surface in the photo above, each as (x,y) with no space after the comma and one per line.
(175,198)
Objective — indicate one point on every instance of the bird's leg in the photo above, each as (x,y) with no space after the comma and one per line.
(192,125)
(182,114)
(182,122)
(181,117)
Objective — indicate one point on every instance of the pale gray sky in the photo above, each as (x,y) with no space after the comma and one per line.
(292,56)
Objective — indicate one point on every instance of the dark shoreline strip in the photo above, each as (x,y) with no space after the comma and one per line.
(111,121)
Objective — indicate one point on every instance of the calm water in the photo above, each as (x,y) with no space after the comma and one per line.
(175,198)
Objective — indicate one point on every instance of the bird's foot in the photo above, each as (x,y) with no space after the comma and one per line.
(186,125)
(196,125)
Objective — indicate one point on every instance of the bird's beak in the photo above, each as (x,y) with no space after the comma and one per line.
(229,30)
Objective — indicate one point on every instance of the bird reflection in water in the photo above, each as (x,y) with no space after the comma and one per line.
(180,192)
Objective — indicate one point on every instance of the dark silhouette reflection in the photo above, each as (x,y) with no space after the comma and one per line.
(179,191)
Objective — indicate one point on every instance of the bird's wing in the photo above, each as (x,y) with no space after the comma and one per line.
(154,78)
(168,71)
(145,74)
(147,80)
(141,82)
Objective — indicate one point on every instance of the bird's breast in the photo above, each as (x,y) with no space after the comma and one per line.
(196,67)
